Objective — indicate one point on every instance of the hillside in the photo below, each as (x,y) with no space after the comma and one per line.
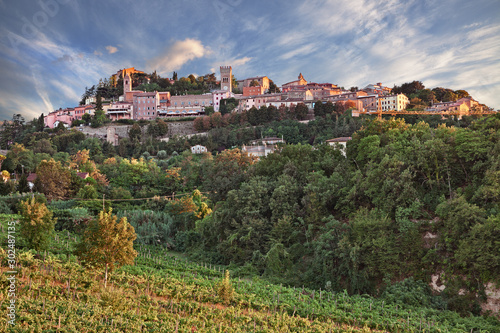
(163,292)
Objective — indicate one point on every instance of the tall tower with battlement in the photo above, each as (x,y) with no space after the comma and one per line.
(226,75)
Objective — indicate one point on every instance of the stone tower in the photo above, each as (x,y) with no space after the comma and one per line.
(226,75)
(127,83)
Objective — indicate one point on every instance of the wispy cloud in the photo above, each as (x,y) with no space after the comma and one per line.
(111,49)
(41,89)
(179,53)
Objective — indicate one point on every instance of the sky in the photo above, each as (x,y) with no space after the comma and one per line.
(50,50)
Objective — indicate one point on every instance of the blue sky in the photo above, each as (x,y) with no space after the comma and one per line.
(50,50)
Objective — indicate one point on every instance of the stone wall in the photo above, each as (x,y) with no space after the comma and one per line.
(174,128)
(180,128)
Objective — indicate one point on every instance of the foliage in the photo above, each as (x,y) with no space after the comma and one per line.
(107,243)
(164,292)
(152,228)
(225,289)
(36,224)
(53,179)
(73,219)
(135,132)
(413,293)
(157,128)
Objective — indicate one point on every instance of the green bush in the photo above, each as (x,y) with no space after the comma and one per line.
(413,293)
(5,208)
(74,219)
(151,227)
(125,121)
(62,204)
(12,201)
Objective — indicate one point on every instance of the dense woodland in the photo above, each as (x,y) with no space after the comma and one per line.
(410,197)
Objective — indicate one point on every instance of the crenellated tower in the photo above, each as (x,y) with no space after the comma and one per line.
(226,75)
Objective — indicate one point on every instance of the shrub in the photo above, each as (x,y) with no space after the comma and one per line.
(413,293)
(151,227)
(74,219)
(225,289)
(37,224)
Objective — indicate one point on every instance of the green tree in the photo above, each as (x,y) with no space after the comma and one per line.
(300,111)
(40,125)
(228,105)
(87,118)
(461,93)
(408,88)
(209,110)
(157,128)
(22,184)
(37,224)
(99,115)
(273,88)
(135,132)
(318,109)
(107,244)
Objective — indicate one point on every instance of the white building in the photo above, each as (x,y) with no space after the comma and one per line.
(342,142)
(198,149)
(393,102)
(219,95)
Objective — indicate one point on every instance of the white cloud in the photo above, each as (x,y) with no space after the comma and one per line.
(179,53)
(301,51)
(41,89)
(233,62)
(65,91)
(28,108)
(111,49)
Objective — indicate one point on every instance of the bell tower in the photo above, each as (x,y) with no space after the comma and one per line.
(127,83)
(226,75)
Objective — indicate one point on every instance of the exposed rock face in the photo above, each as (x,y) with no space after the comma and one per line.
(436,283)
(492,294)
(493,299)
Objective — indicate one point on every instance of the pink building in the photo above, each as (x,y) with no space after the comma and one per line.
(165,98)
(146,105)
(65,116)
(253,91)
(82,109)
(120,110)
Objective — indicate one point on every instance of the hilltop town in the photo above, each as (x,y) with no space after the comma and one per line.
(304,206)
(255,92)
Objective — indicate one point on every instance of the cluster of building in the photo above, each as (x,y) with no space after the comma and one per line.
(255,92)
(462,106)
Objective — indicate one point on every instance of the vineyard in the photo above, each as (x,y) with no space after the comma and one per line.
(163,292)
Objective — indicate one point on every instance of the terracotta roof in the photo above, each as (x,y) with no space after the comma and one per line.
(83,175)
(31,177)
